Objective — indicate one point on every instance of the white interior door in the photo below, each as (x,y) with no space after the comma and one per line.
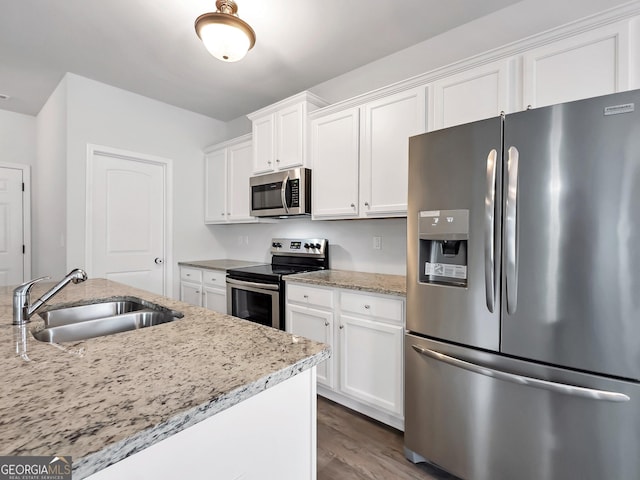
(11,227)
(127,220)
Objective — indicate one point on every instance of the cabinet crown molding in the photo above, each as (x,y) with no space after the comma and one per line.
(607,17)
(304,96)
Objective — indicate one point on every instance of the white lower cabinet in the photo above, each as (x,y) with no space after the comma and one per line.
(365,331)
(204,288)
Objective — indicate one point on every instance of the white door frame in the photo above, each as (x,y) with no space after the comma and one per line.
(167,166)
(26,215)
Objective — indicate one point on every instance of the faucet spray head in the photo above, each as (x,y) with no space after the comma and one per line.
(77,275)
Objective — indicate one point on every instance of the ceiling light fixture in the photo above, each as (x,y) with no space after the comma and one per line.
(224,34)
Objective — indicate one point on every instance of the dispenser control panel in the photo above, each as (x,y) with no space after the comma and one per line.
(443,238)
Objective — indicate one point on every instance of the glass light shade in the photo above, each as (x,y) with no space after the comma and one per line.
(225,42)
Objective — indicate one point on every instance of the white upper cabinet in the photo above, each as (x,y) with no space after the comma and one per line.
(227,170)
(585,65)
(387,124)
(215,189)
(360,156)
(474,94)
(335,154)
(279,133)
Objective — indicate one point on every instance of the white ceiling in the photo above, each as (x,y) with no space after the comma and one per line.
(150,46)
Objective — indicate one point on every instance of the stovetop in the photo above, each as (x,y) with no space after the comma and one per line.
(267,273)
(289,256)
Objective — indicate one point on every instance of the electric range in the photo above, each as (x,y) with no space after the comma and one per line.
(256,293)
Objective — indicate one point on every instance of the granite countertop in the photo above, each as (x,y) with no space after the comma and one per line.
(103,399)
(222,264)
(367,282)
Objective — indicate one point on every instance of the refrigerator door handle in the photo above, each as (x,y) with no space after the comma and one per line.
(511,227)
(555,387)
(489,229)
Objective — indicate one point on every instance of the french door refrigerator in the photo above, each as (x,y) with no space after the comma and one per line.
(522,352)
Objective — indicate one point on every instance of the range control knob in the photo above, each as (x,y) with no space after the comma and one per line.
(317,245)
(276,245)
(306,245)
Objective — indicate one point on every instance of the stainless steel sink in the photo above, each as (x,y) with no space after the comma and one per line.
(82,313)
(81,322)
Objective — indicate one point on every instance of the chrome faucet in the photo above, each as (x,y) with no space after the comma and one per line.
(22,311)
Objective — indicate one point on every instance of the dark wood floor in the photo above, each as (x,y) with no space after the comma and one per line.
(354,447)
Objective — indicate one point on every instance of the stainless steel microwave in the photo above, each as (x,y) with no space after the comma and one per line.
(281,194)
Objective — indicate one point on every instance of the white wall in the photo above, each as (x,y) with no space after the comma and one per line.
(350,241)
(99,114)
(48,206)
(17,138)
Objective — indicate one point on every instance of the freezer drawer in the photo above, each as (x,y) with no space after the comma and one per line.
(487,424)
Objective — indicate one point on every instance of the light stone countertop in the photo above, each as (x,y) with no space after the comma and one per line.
(103,399)
(221,264)
(367,282)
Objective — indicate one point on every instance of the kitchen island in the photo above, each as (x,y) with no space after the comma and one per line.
(106,399)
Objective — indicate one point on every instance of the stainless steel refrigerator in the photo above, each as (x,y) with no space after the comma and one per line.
(522,352)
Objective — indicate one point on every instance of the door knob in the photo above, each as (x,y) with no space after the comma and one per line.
(158,261)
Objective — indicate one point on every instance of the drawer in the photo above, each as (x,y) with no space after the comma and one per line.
(372,306)
(191,274)
(215,278)
(320,297)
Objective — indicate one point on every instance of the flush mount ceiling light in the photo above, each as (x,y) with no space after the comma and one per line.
(224,34)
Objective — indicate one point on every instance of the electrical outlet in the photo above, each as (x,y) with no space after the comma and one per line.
(377,243)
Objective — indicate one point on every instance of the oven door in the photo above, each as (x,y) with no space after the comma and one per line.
(256,302)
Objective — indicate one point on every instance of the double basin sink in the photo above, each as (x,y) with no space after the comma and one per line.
(121,314)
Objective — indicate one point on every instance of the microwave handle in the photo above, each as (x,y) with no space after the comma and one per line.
(283,193)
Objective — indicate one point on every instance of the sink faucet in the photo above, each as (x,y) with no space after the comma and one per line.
(22,311)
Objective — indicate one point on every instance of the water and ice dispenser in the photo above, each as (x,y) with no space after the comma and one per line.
(444,237)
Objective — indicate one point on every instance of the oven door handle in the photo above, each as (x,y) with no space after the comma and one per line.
(241,283)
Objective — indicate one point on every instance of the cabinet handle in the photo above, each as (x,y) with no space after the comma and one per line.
(222,214)
(326,324)
(305,296)
(197,291)
(268,162)
(277,160)
(367,307)
(187,274)
(353,205)
(341,327)
(366,204)
(228,213)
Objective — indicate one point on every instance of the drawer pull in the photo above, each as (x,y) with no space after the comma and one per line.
(306,296)
(326,324)
(367,307)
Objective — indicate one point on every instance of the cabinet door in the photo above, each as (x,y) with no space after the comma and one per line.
(263,144)
(316,325)
(334,156)
(238,197)
(215,299)
(371,362)
(215,190)
(191,293)
(290,133)
(586,65)
(387,125)
(475,94)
